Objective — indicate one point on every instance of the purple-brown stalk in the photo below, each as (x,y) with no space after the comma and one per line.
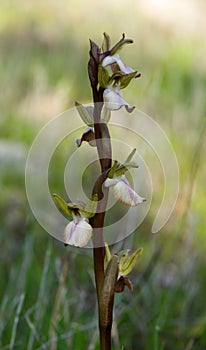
(97,222)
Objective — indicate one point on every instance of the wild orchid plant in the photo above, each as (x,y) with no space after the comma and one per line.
(108,76)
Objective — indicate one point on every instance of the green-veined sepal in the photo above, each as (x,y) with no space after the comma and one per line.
(127,262)
(62,205)
(86,113)
(130,156)
(126,78)
(120,43)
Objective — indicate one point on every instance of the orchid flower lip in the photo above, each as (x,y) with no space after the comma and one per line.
(114,99)
(77,232)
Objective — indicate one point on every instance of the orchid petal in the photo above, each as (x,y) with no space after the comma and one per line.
(124,193)
(109,60)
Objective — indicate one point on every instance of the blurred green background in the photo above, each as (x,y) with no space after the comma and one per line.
(47,298)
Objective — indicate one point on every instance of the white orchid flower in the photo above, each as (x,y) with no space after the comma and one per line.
(78,232)
(114,99)
(115,59)
(122,75)
(123,192)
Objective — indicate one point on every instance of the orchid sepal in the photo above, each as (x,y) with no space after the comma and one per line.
(106,42)
(86,113)
(127,262)
(90,208)
(62,205)
(120,43)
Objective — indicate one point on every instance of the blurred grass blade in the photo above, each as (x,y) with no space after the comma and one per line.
(16,321)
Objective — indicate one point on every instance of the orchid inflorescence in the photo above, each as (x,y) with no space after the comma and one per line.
(113,75)
(108,75)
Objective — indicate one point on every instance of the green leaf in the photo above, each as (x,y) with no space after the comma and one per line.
(120,43)
(62,206)
(85,113)
(127,262)
(103,77)
(106,42)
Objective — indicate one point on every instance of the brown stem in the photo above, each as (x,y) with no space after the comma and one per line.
(105,338)
(105,154)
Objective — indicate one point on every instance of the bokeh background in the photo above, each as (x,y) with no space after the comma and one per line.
(47,298)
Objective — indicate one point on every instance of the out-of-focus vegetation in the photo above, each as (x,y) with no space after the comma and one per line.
(47,298)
